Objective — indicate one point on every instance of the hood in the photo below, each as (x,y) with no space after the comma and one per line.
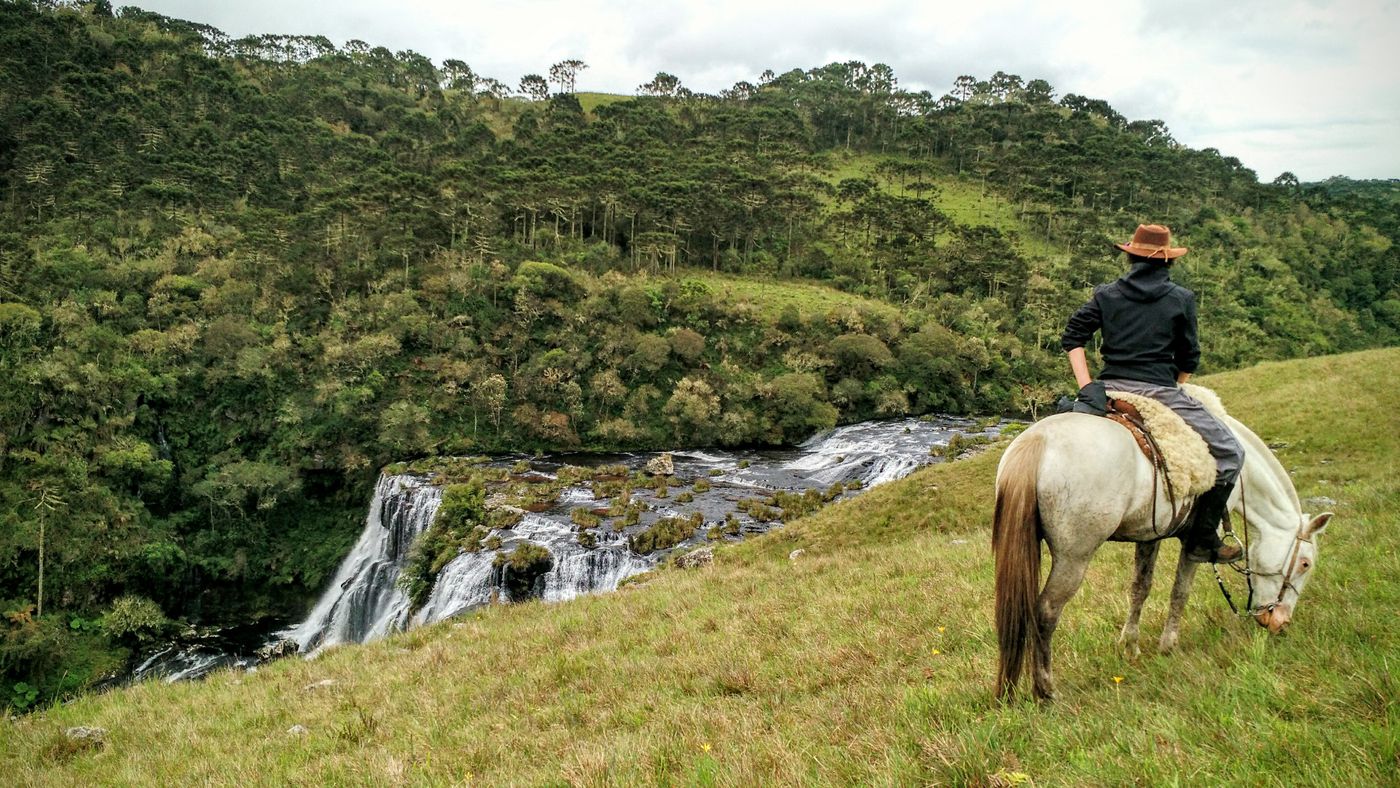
(1146,282)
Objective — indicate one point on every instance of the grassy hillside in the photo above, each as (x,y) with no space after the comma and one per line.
(866,659)
(239,275)
(592,101)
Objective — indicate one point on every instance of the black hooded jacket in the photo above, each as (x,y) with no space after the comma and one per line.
(1148,324)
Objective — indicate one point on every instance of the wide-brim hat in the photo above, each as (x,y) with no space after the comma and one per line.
(1153,240)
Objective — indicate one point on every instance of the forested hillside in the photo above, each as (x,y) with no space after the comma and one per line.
(239,276)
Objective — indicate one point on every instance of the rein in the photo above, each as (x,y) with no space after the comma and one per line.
(1250,609)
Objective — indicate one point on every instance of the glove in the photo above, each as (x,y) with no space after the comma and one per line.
(1092,399)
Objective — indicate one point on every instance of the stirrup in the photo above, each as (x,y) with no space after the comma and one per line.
(1224,554)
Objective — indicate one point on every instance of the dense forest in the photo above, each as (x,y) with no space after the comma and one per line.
(238,276)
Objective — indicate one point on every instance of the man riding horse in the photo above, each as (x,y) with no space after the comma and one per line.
(1149,348)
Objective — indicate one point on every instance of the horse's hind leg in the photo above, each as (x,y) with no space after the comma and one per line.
(1066,575)
(1181,589)
(1145,560)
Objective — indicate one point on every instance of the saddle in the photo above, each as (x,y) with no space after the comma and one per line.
(1177,453)
(1174,448)
(1127,414)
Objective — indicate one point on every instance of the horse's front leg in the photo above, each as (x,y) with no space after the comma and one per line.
(1145,561)
(1181,589)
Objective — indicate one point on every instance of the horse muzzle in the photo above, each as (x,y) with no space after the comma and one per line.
(1275,618)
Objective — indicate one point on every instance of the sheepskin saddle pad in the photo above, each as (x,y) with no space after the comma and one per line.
(1187,460)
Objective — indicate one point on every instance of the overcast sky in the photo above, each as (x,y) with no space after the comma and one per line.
(1310,86)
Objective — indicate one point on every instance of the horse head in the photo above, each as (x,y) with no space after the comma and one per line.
(1280,569)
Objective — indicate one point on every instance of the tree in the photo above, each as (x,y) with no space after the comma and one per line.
(565,74)
(861,355)
(1039,93)
(688,345)
(534,87)
(963,87)
(661,85)
(457,75)
(796,407)
(490,394)
(46,501)
(692,409)
(1286,180)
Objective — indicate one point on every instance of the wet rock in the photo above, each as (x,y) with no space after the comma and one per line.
(796,554)
(661,465)
(297,730)
(278,650)
(322,684)
(696,558)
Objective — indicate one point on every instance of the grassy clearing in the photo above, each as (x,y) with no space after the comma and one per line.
(964,199)
(772,296)
(592,101)
(868,659)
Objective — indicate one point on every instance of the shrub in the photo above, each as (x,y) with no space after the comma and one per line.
(795,505)
(461,524)
(521,567)
(135,618)
(573,474)
(665,533)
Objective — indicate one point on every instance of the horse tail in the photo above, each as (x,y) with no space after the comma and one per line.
(1016,546)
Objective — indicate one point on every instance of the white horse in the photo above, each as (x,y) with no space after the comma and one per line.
(1077,481)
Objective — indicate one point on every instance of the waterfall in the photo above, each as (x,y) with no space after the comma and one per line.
(472,579)
(364,601)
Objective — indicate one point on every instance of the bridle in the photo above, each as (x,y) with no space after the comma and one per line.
(1249,572)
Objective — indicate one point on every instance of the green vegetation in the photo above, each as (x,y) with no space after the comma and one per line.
(870,657)
(461,523)
(665,533)
(238,276)
(523,566)
(585,518)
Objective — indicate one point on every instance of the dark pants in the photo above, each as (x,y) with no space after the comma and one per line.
(1224,447)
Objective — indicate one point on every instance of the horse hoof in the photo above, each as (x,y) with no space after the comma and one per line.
(1167,645)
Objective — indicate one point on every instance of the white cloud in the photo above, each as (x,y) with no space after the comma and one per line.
(1309,86)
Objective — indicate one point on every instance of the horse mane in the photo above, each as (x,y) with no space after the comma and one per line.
(1254,445)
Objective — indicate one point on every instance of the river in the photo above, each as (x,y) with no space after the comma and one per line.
(364,602)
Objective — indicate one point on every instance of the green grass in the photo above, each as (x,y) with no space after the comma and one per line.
(868,659)
(812,300)
(964,199)
(592,101)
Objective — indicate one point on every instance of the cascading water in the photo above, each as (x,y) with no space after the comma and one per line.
(364,601)
(471,579)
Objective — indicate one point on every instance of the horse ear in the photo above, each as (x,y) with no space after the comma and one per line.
(1318,524)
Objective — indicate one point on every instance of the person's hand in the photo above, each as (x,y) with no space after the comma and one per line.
(1092,399)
